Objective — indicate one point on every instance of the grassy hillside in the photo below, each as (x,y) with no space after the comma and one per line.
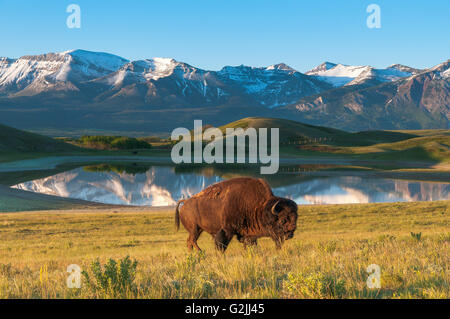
(298,139)
(327,258)
(18,145)
(13,140)
(292,131)
(289,130)
(429,147)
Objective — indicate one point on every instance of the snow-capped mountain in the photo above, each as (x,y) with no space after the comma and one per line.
(160,82)
(31,75)
(325,66)
(103,77)
(405,68)
(81,89)
(339,74)
(163,82)
(272,86)
(167,82)
(421,100)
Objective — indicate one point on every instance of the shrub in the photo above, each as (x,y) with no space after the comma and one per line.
(127,143)
(314,285)
(186,266)
(386,237)
(189,279)
(114,279)
(445,237)
(416,236)
(391,281)
(328,247)
(113,142)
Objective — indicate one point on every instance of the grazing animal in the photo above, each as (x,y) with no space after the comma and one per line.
(245,207)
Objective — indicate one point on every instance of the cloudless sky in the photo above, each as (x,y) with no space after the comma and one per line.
(212,33)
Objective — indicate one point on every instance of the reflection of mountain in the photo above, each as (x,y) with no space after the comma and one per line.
(351,189)
(159,186)
(162,186)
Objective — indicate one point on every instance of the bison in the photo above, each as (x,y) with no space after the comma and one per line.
(245,207)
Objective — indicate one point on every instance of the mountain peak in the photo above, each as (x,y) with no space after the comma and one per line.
(154,68)
(94,57)
(404,68)
(322,67)
(281,67)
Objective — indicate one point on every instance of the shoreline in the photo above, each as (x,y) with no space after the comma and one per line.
(52,162)
(20,201)
(98,208)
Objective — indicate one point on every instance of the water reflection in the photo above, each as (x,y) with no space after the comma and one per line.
(164,185)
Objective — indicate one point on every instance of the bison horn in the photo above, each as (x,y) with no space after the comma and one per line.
(274,207)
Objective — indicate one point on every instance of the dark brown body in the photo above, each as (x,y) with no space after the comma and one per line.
(245,207)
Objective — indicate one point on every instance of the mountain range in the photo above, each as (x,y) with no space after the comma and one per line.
(81,91)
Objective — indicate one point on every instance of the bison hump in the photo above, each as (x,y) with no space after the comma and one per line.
(241,186)
(212,192)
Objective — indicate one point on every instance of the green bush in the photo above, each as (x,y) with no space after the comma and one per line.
(416,236)
(314,285)
(127,143)
(113,142)
(113,280)
(328,247)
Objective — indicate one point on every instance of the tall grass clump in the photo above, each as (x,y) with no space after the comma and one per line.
(315,285)
(190,278)
(112,280)
(416,236)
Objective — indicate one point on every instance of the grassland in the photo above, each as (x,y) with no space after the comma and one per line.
(327,258)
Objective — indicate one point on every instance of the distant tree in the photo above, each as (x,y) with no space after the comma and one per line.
(113,142)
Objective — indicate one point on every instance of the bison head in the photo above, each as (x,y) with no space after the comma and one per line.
(284,211)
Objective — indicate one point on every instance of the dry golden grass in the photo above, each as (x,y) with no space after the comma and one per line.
(327,258)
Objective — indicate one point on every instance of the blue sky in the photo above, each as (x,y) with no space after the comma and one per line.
(213,33)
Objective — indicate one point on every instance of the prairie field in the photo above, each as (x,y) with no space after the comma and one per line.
(136,253)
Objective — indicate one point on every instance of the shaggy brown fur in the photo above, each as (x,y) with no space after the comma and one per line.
(245,207)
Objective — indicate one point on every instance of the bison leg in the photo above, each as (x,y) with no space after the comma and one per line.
(193,237)
(222,239)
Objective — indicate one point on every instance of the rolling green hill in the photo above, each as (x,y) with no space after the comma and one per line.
(292,131)
(303,139)
(17,141)
(289,130)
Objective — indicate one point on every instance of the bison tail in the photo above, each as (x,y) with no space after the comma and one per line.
(177,214)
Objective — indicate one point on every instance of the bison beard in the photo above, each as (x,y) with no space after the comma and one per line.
(245,207)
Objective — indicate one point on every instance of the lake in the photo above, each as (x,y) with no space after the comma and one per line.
(142,185)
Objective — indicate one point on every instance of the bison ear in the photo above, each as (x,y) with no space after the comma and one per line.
(276,208)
